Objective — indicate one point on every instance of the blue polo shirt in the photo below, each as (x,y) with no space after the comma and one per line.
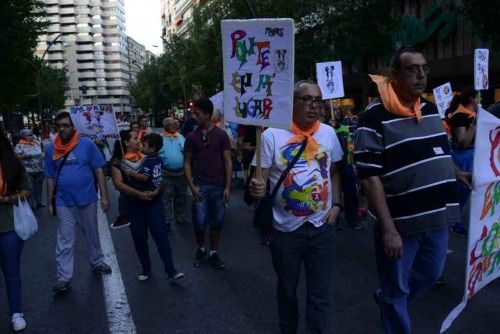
(172,153)
(75,184)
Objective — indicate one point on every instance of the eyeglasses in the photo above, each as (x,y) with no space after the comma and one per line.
(414,70)
(309,100)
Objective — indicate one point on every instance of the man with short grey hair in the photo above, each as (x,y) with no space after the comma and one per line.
(172,156)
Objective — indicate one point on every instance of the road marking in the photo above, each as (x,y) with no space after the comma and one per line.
(117,308)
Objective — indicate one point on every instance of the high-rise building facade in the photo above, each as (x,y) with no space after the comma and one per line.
(87,38)
(176,16)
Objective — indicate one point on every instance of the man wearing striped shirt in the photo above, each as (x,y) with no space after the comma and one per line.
(403,159)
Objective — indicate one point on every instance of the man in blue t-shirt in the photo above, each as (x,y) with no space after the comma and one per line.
(172,156)
(70,165)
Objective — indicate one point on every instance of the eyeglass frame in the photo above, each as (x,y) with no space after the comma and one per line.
(309,100)
(415,69)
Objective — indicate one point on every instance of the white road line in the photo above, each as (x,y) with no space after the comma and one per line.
(120,319)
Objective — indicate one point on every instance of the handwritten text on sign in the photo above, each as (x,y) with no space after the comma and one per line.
(258,71)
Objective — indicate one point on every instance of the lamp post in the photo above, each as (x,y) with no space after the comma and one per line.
(49,45)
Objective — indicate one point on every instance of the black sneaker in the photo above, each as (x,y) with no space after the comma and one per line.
(62,287)
(215,261)
(102,269)
(120,222)
(356,225)
(199,257)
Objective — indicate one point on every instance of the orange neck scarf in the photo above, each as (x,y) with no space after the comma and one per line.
(26,142)
(133,156)
(462,110)
(391,100)
(312,146)
(61,149)
(3,185)
(170,134)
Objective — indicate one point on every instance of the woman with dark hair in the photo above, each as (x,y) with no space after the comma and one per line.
(138,178)
(461,119)
(14,183)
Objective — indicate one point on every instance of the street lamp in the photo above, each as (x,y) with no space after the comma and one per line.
(49,45)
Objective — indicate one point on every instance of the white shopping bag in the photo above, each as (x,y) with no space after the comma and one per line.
(25,223)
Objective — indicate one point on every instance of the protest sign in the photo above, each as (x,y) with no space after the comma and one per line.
(481,69)
(483,250)
(443,96)
(95,121)
(258,57)
(330,80)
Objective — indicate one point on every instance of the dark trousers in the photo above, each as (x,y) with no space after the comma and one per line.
(11,247)
(149,215)
(349,191)
(313,247)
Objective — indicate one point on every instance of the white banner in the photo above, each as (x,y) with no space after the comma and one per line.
(483,250)
(481,69)
(443,96)
(258,58)
(218,102)
(95,121)
(330,79)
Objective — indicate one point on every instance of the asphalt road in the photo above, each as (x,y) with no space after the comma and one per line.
(240,299)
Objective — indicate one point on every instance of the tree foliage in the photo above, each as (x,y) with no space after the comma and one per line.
(21,23)
(484,16)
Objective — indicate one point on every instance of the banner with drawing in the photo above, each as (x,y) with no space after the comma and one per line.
(481,69)
(258,57)
(443,96)
(95,121)
(330,80)
(483,251)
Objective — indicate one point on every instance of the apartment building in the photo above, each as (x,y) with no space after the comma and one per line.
(176,16)
(87,38)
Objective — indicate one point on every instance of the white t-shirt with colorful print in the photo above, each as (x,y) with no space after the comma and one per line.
(306,193)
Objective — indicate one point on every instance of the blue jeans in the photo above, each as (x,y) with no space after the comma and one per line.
(11,247)
(150,215)
(209,211)
(313,247)
(401,280)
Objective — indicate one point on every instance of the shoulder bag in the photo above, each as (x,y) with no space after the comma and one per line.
(54,193)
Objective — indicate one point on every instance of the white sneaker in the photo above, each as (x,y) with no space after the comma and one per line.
(18,322)
(144,275)
(176,277)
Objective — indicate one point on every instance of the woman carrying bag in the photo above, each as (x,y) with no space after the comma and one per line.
(14,184)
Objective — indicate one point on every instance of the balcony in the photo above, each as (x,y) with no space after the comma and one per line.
(85,75)
(86,66)
(67,10)
(68,29)
(85,56)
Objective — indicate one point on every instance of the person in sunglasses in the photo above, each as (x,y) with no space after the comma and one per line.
(208,168)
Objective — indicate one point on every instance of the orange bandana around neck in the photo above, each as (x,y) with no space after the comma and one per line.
(462,110)
(61,149)
(3,185)
(170,134)
(391,100)
(133,156)
(312,146)
(25,142)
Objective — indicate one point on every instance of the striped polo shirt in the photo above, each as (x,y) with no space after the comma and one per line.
(413,162)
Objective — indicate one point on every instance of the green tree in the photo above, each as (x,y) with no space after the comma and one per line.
(484,16)
(21,23)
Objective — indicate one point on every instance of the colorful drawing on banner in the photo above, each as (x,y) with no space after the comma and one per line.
(258,71)
(330,80)
(484,259)
(495,150)
(443,96)
(491,200)
(95,121)
(481,69)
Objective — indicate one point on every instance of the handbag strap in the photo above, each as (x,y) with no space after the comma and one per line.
(288,168)
(63,161)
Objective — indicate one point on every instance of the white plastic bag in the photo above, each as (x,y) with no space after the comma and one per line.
(25,223)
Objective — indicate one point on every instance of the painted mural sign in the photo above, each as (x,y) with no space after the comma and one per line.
(443,96)
(95,121)
(483,251)
(481,69)
(330,81)
(258,58)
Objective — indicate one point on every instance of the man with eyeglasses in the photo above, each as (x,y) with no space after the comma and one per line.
(208,169)
(403,159)
(305,208)
(71,163)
